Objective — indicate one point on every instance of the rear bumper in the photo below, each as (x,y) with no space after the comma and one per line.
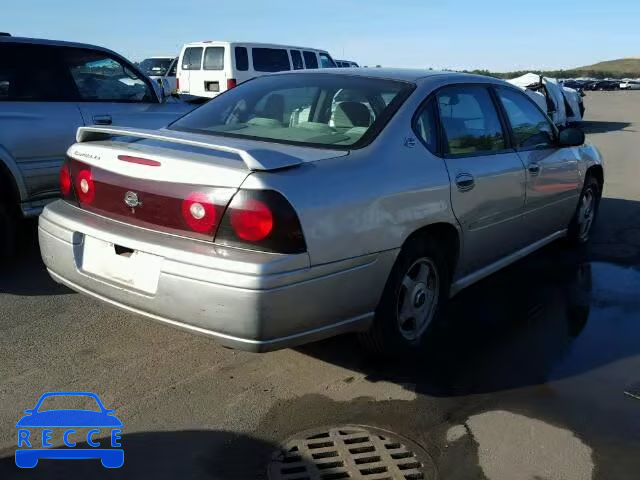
(248,300)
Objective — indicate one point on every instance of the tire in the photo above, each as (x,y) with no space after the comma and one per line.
(7,233)
(393,336)
(580,227)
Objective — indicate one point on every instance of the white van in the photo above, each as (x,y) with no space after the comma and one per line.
(206,69)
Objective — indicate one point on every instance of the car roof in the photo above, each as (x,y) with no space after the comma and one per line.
(55,43)
(257,44)
(401,74)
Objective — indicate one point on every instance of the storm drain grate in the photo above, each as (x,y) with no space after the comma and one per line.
(350,452)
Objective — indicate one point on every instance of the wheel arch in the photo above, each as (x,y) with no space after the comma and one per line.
(598,173)
(445,234)
(11,185)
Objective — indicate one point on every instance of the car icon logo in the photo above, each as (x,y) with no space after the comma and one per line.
(65,422)
(131,200)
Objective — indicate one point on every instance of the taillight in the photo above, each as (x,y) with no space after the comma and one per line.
(231,83)
(177,84)
(65,180)
(200,213)
(252,222)
(261,220)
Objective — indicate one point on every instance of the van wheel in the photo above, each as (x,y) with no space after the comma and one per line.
(582,223)
(7,232)
(412,301)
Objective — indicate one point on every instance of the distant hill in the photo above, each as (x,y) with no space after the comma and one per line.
(623,68)
(617,68)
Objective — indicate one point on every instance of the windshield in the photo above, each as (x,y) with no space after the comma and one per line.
(310,109)
(155,66)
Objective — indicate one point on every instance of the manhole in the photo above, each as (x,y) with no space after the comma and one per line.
(353,452)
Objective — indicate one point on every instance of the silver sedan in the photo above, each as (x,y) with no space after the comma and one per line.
(306,204)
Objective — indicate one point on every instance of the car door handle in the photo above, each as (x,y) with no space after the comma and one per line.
(102,120)
(534,169)
(465,182)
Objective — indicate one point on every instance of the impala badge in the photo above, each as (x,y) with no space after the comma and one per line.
(131,200)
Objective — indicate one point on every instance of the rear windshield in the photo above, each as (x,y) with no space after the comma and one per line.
(309,109)
(270,59)
(214,58)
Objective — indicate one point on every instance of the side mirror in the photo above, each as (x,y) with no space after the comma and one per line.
(571,137)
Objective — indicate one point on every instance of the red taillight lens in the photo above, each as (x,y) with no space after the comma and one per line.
(177,83)
(231,83)
(65,180)
(261,220)
(253,222)
(85,187)
(199,213)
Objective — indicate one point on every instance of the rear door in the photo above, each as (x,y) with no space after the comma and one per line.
(487,177)
(111,92)
(553,178)
(211,79)
(38,115)
(190,63)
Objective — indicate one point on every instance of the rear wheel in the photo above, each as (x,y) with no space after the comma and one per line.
(586,213)
(413,298)
(7,232)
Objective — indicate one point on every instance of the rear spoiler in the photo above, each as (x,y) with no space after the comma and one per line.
(253,158)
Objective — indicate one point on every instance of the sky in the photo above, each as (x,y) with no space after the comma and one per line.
(499,35)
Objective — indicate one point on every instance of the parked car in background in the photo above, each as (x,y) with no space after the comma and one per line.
(156,67)
(396,190)
(47,90)
(630,85)
(346,64)
(209,68)
(603,85)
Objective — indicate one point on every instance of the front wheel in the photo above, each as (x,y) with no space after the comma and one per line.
(413,298)
(586,213)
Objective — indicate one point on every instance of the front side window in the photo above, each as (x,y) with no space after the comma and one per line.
(270,59)
(214,58)
(531,128)
(470,121)
(310,59)
(99,77)
(296,58)
(310,109)
(192,58)
(326,61)
(242,59)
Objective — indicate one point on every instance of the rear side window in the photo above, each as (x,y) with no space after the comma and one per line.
(242,59)
(470,121)
(310,59)
(173,68)
(30,73)
(326,61)
(296,58)
(425,127)
(531,129)
(192,58)
(270,59)
(214,58)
